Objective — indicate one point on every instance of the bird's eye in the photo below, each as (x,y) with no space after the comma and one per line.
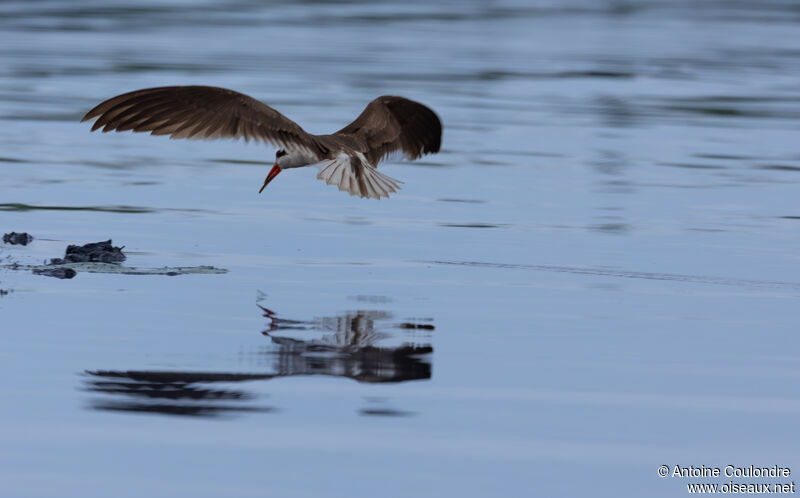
(280,153)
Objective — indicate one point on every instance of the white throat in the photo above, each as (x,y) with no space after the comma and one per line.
(296,159)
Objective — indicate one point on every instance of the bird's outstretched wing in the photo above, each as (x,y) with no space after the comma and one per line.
(200,112)
(389,124)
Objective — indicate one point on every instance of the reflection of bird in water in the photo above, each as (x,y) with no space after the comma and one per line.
(348,347)
(351,330)
(351,350)
(347,158)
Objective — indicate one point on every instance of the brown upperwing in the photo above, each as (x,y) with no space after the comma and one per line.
(202,112)
(389,124)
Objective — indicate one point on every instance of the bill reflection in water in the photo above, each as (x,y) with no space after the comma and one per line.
(366,346)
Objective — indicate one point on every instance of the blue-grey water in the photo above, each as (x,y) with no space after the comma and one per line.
(596,276)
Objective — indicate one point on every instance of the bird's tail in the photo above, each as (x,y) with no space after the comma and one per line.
(362,180)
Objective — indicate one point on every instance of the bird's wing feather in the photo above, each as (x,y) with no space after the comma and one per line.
(389,124)
(201,112)
(362,179)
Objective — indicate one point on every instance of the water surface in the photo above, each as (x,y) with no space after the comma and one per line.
(596,276)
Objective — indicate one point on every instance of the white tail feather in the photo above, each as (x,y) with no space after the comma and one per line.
(372,184)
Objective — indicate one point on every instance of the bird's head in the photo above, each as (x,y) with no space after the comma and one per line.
(281,158)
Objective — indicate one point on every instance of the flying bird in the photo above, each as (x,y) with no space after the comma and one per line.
(347,158)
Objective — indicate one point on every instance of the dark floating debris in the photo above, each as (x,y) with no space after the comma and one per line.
(95,252)
(56,272)
(97,257)
(384,412)
(15,238)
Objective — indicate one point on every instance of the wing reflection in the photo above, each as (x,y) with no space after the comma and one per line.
(363,345)
(170,393)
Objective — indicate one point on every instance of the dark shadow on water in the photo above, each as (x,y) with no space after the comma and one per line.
(726,157)
(780,167)
(15,206)
(20,207)
(692,165)
(12,160)
(466,201)
(616,112)
(240,161)
(383,412)
(366,346)
(471,225)
(612,228)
